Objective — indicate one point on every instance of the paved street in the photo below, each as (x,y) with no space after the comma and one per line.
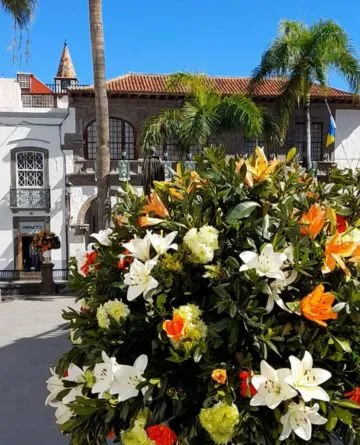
(31,337)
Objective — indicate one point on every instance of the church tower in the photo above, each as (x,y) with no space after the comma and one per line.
(66,76)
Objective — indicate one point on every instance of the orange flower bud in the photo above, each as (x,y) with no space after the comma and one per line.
(219,376)
(174,327)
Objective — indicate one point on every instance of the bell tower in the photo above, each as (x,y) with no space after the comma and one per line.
(66,75)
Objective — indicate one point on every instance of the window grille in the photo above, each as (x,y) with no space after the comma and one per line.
(38,101)
(122,139)
(316,140)
(251,144)
(30,169)
(24,81)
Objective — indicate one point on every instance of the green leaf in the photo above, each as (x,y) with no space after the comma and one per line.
(347,404)
(241,211)
(344,344)
(291,154)
(332,421)
(344,415)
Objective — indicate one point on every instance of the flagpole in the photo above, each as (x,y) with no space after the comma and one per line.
(341,143)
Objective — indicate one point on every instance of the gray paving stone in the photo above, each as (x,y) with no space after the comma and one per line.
(31,337)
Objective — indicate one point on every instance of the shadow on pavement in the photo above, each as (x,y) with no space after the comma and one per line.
(24,368)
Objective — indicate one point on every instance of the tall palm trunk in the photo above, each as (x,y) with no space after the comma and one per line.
(308,159)
(102,115)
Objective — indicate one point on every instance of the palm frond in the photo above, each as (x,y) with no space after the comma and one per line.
(198,124)
(161,129)
(240,112)
(271,131)
(20,10)
(191,84)
(287,102)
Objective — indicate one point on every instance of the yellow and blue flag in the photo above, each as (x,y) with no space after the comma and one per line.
(331,133)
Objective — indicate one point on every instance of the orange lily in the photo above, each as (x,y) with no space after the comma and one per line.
(335,251)
(355,257)
(312,221)
(248,180)
(259,167)
(176,194)
(317,306)
(155,206)
(146,221)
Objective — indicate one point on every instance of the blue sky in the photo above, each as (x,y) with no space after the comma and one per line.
(217,37)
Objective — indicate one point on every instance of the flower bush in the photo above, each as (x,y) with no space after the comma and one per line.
(45,240)
(223,309)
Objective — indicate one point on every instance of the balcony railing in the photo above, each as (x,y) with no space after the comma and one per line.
(30,198)
(25,275)
(62,89)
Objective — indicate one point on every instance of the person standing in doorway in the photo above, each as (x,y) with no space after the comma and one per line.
(34,256)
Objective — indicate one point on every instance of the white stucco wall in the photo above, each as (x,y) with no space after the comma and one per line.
(32,128)
(347,138)
(10,93)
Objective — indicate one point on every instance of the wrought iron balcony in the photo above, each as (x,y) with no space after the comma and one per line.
(25,199)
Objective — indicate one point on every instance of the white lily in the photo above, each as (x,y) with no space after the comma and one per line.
(271,387)
(163,244)
(267,264)
(139,247)
(127,378)
(104,374)
(306,379)
(103,237)
(299,418)
(75,375)
(63,413)
(139,279)
(277,287)
(54,385)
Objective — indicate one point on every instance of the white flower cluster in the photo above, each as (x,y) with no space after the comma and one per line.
(202,243)
(276,386)
(55,385)
(139,277)
(115,309)
(110,378)
(271,264)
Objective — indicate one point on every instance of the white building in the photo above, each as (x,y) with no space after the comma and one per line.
(34,118)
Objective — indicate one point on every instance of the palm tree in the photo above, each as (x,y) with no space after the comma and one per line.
(204,113)
(102,115)
(305,55)
(20,10)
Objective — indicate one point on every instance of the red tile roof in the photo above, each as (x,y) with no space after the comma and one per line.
(156,84)
(37,87)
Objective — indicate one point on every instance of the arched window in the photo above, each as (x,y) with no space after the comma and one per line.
(122,139)
(30,170)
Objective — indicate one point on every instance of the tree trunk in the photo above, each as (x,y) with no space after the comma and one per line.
(308,160)
(102,115)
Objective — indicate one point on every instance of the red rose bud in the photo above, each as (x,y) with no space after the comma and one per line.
(341,223)
(161,435)
(354,395)
(66,374)
(121,264)
(246,388)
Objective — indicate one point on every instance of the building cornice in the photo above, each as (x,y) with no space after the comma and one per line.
(47,113)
